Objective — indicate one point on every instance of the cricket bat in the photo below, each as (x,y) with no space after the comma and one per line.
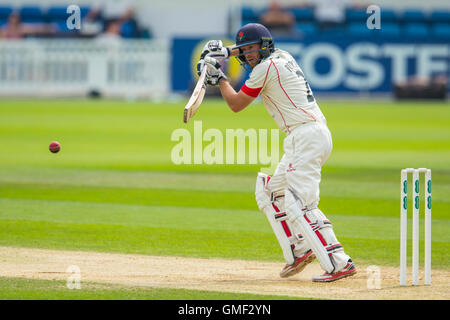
(196,98)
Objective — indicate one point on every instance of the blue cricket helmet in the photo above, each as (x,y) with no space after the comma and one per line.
(254,33)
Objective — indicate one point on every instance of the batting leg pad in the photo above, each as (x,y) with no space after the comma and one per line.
(276,185)
(281,232)
(274,216)
(270,198)
(297,241)
(315,229)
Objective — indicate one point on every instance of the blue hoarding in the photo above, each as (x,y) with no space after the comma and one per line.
(334,65)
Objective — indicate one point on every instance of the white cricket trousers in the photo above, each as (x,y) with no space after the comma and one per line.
(306,149)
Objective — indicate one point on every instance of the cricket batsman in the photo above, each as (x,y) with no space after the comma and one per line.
(290,197)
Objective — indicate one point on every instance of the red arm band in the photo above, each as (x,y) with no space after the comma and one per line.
(252,92)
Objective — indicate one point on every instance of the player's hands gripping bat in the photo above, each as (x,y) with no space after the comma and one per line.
(207,75)
(215,49)
(213,71)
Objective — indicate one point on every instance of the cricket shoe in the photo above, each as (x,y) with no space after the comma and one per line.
(347,271)
(298,265)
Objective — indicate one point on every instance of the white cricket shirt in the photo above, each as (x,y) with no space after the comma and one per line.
(284,91)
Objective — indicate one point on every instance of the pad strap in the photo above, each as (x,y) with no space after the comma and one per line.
(282,218)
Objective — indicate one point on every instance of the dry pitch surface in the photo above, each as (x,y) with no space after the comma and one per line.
(211,274)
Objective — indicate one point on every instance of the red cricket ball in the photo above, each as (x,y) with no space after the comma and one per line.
(54,147)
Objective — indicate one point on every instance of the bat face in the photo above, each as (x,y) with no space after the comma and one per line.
(196,98)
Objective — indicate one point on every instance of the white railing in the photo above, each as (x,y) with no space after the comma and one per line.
(126,68)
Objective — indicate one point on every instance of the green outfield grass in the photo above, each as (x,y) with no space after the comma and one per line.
(30,289)
(113,187)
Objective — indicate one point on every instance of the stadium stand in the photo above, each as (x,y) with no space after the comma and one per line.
(395,24)
(411,22)
(55,18)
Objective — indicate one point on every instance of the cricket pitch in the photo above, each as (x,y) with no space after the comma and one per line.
(243,276)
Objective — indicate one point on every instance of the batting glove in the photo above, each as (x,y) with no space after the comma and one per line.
(261,194)
(200,66)
(215,49)
(213,74)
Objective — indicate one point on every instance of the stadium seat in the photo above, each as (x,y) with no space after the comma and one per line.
(440,16)
(5,12)
(84,11)
(355,15)
(414,16)
(388,15)
(57,14)
(441,31)
(307,29)
(128,30)
(60,13)
(416,30)
(358,29)
(390,30)
(303,14)
(31,14)
(249,13)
